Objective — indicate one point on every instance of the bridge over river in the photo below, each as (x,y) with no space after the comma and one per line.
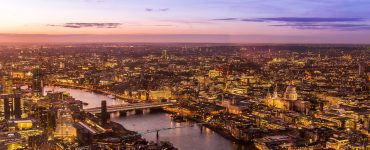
(129,107)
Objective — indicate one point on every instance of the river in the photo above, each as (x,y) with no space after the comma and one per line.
(189,138)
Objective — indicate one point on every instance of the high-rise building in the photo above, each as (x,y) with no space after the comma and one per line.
(11,102)
(37,82)
(12,106)
(17,107)
(6,108)
(104,113)
(164,55)
(46,118)
(62,65)
(64,126)
(7,85)
(361,69)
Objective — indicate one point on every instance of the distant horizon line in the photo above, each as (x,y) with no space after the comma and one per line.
(178,38)
(200,43)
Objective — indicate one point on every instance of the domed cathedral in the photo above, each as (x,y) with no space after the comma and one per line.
(275,100)
(288,102)
(290,97)
(291,93)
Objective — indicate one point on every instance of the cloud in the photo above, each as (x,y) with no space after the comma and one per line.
(157,10)
(148,9)
(303,19)
(313,23)
(88,25)
(164,9)
(321,26)
(293,19)
(226,19)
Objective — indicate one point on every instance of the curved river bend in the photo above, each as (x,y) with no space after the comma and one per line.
(189,138)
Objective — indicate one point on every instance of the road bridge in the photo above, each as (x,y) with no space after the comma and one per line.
(129,107)
(164,129)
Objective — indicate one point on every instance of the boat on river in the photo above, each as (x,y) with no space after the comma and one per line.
(111,96)
(177,118)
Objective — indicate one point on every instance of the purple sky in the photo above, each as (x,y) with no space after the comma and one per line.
(220,21)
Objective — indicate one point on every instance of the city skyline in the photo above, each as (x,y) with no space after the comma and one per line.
(185,74)
(221,21)
(184,96)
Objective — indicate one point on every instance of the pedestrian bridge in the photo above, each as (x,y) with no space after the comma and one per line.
(129,107)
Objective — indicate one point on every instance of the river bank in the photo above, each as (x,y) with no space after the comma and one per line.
(183,135)
(116,96)
(247,145)
(189,138)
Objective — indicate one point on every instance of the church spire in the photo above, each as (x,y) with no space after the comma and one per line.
(268,93)
(275,95)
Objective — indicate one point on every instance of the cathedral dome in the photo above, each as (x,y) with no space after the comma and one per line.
(291,89)
(291,93)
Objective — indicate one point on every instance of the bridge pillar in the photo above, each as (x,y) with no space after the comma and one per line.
(146,111)
(132,112)
(158,109)
(122,113)
(138,111)
(114,114)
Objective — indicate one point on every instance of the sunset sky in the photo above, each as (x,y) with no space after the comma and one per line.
(242,21)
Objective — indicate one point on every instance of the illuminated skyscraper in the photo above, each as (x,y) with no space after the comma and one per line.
(37,82)
(64,126)
(11,102)
(12,107)
(164,55)
(7,85)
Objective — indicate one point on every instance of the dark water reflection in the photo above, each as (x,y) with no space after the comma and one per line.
(188,138)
